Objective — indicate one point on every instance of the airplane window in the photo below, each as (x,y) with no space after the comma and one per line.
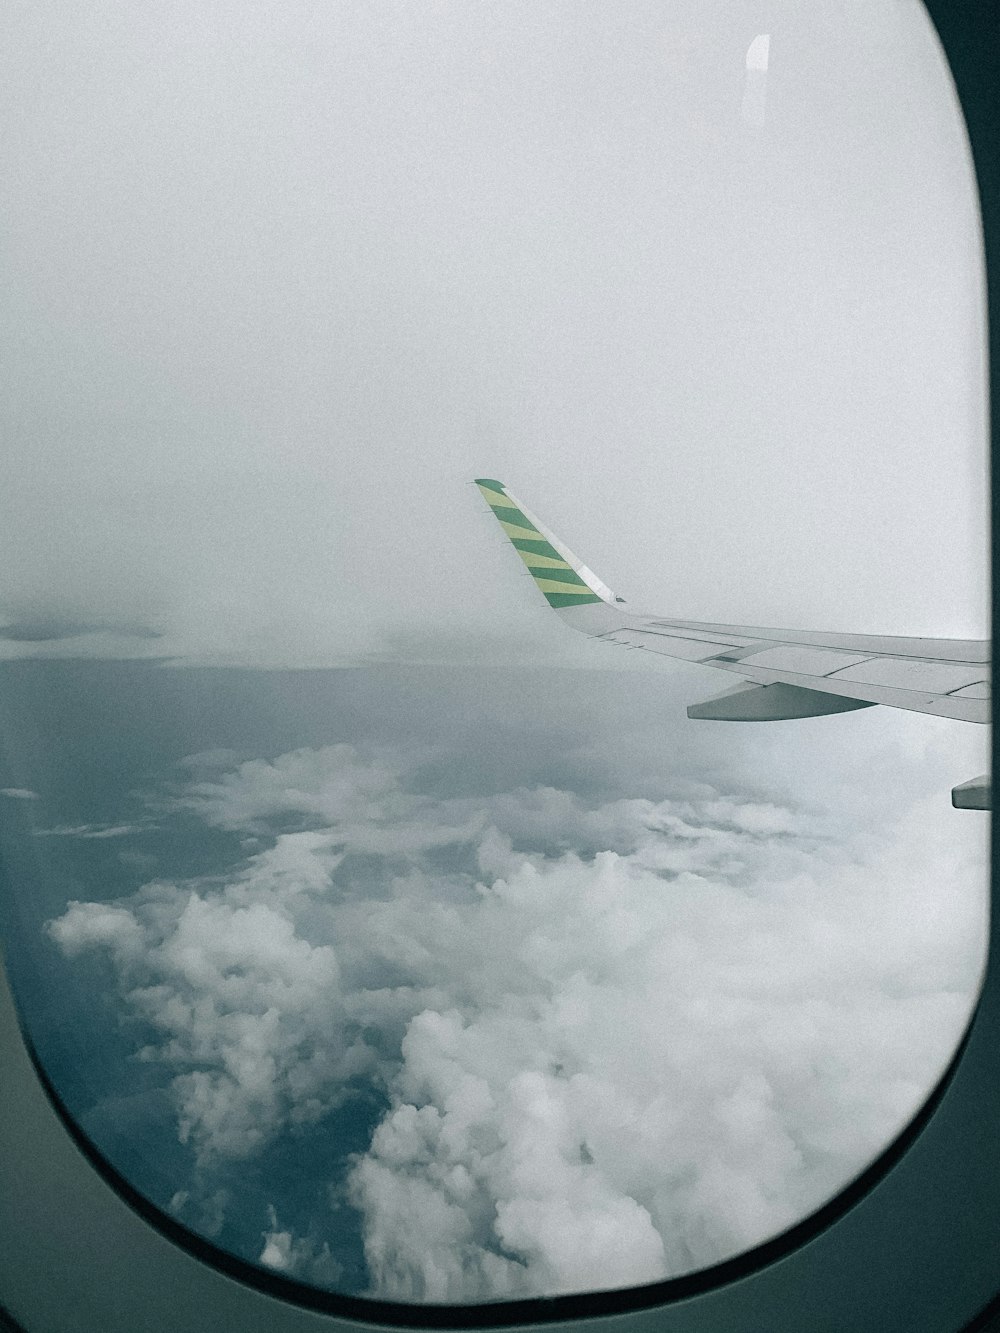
(390,902)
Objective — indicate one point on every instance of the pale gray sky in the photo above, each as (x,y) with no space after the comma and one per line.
(281,279)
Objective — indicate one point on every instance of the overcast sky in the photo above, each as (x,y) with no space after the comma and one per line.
(281,279)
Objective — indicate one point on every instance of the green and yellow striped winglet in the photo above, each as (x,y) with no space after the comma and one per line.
(559,582)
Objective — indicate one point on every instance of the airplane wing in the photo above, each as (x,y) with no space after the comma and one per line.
(781,673)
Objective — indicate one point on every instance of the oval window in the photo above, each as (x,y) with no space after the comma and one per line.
(387,899)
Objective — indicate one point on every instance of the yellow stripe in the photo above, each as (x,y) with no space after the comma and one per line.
(534,561)
(549,585)
(513,531)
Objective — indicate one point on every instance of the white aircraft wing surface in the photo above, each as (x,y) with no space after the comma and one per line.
(781,673)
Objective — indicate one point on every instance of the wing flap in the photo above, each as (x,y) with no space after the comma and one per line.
(906,673)
(804,661)
(981,690)
(938,650)
(672,645)
(916,701)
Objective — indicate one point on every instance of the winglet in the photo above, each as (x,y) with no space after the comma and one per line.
(561,577)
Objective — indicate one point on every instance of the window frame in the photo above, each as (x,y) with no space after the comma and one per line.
(911,1245)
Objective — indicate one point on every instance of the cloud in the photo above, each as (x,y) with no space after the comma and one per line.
(617,1039)
(331,783)
(243,1005)
(19,794)
(700,1059)
(97,644)
(84,925)
(277,1248)
(89,831)
(44,629)
(300,1256)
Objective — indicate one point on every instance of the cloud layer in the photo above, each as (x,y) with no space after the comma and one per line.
(618,1039)
(280,281)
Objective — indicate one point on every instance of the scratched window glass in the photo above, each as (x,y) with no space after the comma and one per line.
(493,617)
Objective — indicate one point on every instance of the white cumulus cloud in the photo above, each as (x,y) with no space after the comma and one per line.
(619,1039)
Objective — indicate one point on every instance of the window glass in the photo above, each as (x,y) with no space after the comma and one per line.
(372,922)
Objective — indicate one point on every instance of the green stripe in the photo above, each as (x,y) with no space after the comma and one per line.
(505,511)
(556,585)
(539,548)
(508,514)
(569,598)
(534,561)
(550,575)
(489,485)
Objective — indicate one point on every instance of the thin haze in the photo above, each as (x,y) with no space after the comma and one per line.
(280,280)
